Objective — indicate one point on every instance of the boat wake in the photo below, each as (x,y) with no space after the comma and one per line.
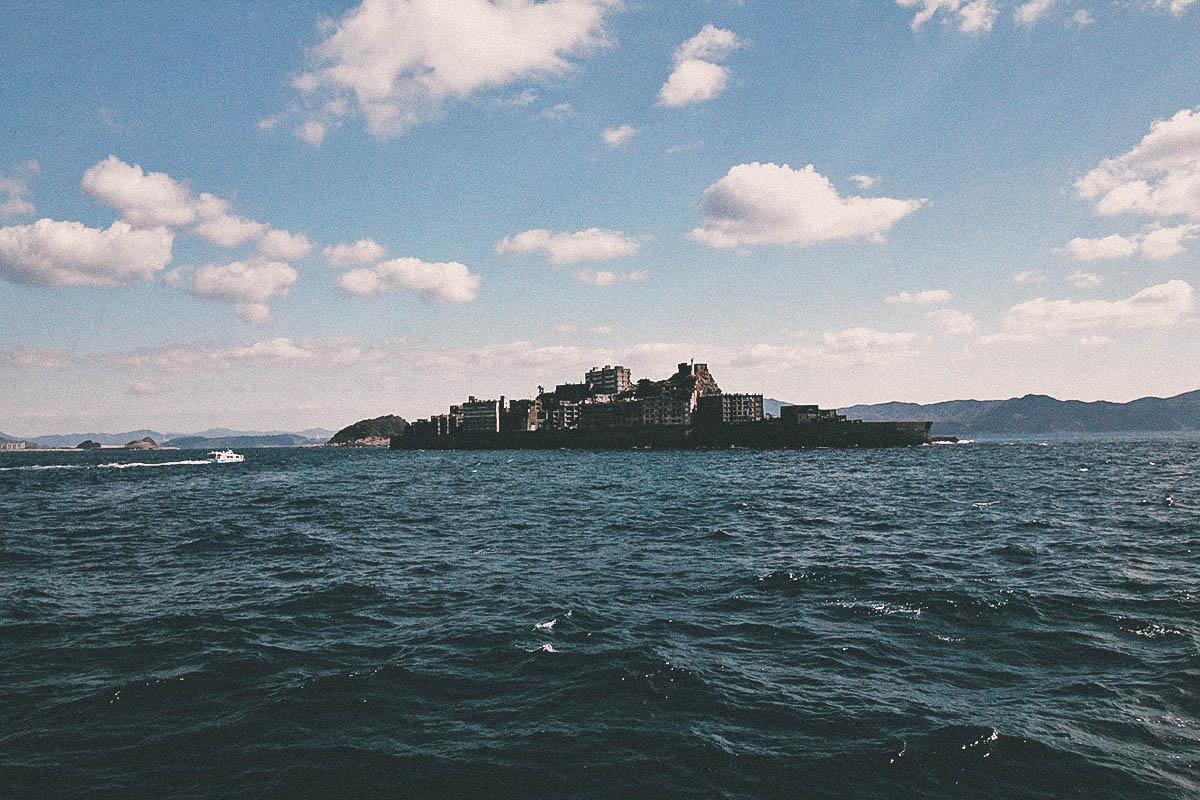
(119,465)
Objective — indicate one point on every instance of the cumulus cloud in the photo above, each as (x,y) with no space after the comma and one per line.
(607,278)
(1084,280)
(695,77)
(1158,306)
(772,204)
(1030,276)
(312,131)
(364,251)
(248,284)
(1176,7)
(14,187)
(864,181)
(255,313)
(143,199)
(1115,246)
(615,137)
(952,322)
(284,245)
(228,230)
(1160,177)
(1029,13)
(443,282)
(155,199)
(1156,244)
(53,253)
(397,62)
(931,297)
(973,15)
(593,244)
(1082,18)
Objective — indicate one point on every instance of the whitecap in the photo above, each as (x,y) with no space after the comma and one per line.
(545,626)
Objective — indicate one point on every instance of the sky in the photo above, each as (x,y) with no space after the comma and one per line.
(278,216)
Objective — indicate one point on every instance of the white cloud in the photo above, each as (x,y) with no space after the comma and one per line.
(711,43)
(248,284)
(228,230)
(364,251)
(695,77)
(976,16)
(931,297)
(772,204)
(445,282)
(1160,177)
(1177,7)
(312,131)
(1082,17)
(522,98)
(144,199)
(593,244)
(952,322)
(693,81)
(1094,341)
(400,61)
(1159,244)
(607,278)
(15,185)
(1114,246)
(283,245)
(864,181)
(1030,276)
(15,205)
(36,358)
(151,199)
(53,253)
(973,16)
(1029,13)
(1084,280)
(1157,306)
(615,137)
(1155,243)
(861,345)
(279,352)
(557,112)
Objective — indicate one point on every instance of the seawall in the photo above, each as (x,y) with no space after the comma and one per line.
(771,434)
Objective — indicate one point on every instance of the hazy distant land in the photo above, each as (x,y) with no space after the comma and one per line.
(1032,414)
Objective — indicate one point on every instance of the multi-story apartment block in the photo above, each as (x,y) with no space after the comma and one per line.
(609,380)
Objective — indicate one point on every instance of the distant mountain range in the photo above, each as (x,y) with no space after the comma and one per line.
(1039,413)
(213,437)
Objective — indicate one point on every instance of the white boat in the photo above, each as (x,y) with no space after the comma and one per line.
(225,457)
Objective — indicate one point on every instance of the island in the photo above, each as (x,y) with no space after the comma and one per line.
(608,410)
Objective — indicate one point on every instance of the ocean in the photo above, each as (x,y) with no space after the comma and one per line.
(996,619)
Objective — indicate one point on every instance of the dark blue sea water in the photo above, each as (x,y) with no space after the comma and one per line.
(986,620)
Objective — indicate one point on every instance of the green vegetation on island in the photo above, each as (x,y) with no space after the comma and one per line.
(375,432)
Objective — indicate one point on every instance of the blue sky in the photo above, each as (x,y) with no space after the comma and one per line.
(1003,197)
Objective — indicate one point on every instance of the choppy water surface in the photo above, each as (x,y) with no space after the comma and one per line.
(981,620)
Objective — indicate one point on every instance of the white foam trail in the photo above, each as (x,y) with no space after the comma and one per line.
(545,626)
(118,465)
(42,466)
